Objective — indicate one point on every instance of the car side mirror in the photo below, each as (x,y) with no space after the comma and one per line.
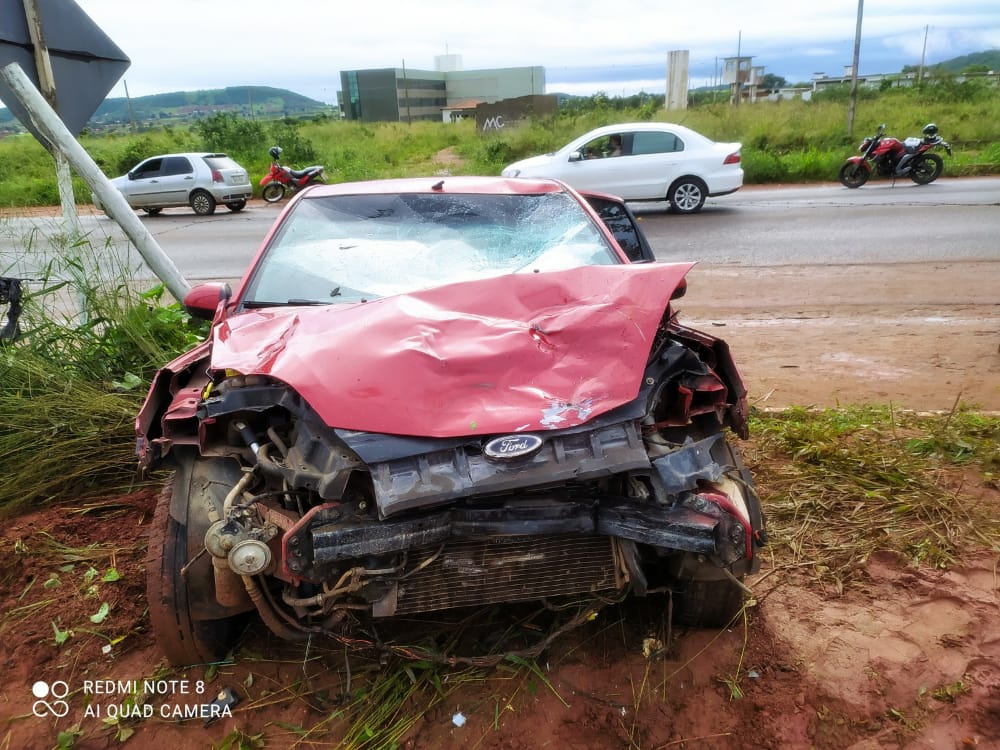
(131,175)
(203,300)
(576,156)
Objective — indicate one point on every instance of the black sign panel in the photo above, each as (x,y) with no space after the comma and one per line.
(86,64)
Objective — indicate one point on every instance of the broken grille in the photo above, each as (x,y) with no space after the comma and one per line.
(509,569)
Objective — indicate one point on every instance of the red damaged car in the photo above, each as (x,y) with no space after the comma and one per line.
(436,393)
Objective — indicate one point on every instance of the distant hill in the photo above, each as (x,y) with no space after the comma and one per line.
(163,109)
(990,59)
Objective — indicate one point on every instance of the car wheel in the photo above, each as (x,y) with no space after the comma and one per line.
(707,604)
(189,624)
(273,192)
(706,599)
(687,195)
(236,206)
(153,211)
(202,203)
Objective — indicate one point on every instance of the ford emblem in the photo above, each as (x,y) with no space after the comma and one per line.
(510,447)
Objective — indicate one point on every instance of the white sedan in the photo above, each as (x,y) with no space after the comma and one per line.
(643,161)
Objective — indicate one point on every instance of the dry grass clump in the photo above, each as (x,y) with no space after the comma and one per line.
(840,484)
(72,382)
(60,434)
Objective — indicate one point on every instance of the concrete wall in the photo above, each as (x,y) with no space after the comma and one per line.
(502,114)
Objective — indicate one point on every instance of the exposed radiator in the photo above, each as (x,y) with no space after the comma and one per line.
(506,569)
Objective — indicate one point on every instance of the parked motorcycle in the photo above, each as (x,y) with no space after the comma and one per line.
(282,179)
(890,157)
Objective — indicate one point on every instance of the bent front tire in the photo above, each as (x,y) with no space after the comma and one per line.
(273,192)
(190,626)
(708,604)
(853,174)
(706,596)
(926,168)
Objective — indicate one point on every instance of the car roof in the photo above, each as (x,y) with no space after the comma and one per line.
(444,185)
(187,153)
(644,126)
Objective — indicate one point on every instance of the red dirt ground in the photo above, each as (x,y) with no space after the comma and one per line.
(909,658)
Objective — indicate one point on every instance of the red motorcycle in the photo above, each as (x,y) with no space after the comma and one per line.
(890,157)
(282,179)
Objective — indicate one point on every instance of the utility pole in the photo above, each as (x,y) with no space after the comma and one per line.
(131,114)
(406,93)
(854,71)
(739,66)
(47,84)
(53,130)
(920,71)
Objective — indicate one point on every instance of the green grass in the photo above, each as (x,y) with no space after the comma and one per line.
(788,141)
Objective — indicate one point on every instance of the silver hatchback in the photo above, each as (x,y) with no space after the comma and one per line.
(199,180)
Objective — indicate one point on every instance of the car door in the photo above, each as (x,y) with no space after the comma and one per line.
(176,181)
(656,158)
(142,184)
(596,168)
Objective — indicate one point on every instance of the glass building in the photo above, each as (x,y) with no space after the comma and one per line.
(402,94)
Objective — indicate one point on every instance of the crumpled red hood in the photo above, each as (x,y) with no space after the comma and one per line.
(524,352)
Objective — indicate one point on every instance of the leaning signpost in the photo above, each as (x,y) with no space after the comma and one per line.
(53,46)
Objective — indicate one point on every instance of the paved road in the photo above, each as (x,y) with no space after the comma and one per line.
(951,219)
(827,295)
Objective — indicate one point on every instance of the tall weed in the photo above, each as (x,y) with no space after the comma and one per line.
(72,383)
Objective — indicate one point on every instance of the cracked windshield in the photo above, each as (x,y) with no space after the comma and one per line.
(356,248)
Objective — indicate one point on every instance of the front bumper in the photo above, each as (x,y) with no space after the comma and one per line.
(328,535)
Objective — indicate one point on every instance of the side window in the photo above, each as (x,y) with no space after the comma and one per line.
(176,165)
(606,146)
(656,143)
(147,169)
(594,149)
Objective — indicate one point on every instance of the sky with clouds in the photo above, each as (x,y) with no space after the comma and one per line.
(585,46)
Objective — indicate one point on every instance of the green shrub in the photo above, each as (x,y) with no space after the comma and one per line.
(296,149)
(236,136)
(763,166)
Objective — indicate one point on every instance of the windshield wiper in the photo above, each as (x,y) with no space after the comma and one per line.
(253,304)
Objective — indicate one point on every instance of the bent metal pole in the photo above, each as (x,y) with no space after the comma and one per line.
(47,122)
